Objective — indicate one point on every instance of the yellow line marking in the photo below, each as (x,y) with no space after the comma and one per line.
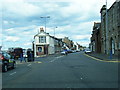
(100,59)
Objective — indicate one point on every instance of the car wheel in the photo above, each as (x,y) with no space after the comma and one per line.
(14,65)
(5,68)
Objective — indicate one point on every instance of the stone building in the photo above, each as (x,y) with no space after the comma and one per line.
(110,36)
(103,29)
(95,44)
(69,43)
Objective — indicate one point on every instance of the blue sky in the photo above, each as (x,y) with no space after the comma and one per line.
(74,19)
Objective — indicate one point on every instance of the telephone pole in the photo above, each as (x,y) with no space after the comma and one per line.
(45,20)
(54,31)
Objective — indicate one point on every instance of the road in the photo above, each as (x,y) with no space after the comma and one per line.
(75,70)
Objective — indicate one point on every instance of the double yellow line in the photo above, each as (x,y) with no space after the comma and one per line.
(100,59)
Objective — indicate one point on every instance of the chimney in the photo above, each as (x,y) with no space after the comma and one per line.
(41,29)
(103,9)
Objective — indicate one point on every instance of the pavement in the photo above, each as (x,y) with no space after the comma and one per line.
(104,57)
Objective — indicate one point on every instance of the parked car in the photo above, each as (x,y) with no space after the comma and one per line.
(87,51)
(73,51)
(64,52)
(7,61)
(69,51)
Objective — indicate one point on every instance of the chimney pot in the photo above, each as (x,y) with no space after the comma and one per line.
(41,29)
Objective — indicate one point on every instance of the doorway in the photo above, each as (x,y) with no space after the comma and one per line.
(112,46)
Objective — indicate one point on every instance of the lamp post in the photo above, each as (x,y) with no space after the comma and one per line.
(54,31)
(45,20)
(106,29)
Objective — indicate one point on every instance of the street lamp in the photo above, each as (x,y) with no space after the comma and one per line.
(45,20)
(106,51)
(54,31)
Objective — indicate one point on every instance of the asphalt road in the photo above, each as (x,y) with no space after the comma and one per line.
(72,71)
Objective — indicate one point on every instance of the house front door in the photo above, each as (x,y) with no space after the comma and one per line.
(46,49)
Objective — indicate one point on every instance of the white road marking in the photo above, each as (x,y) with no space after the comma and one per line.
(53,60)
(56,58)
(28,64)
(59,57)
(13,73)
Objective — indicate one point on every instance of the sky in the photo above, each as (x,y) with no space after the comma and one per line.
(20,20)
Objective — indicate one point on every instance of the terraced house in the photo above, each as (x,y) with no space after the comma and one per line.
(95,44)
(106,34)
(46,44)
(110,35)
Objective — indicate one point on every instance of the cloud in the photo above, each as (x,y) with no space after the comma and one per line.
(78,37)
(27,44)
(8,22)
(5,22)
(20,8)
(74,19)
(83,43)
(12,38)
(60,35)
(21,31)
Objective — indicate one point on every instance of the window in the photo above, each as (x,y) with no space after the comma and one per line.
(39,49)
(42,39)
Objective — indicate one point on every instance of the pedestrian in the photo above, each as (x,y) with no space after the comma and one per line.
(28,56)
(31,56)
(24,59)
(21,57)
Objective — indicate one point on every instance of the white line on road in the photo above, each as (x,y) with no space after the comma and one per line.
(13,73)
(56,58)
(53,60)
(59,57)
(28,64)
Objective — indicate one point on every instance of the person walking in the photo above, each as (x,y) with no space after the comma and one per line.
(21,57)
(24,59)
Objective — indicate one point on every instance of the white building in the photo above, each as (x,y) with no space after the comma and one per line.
(46,44)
